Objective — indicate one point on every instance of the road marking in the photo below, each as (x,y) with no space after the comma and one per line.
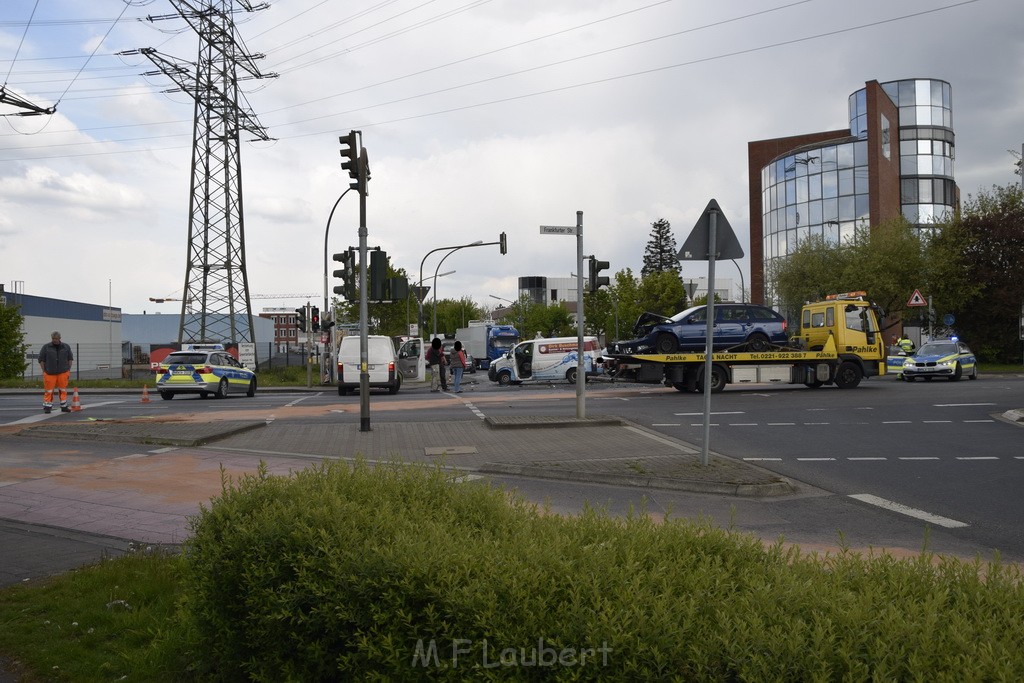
(937,422)
(763,459)
(909,511)
(742,424)
(978,457)
(868,458)
(960,405)
(976,421)
(811,424)
(816,459)
(476,411)
(667,424)
(729,412)
(168,449)
(303,398)
(782,424)
(920,457)
(896,422)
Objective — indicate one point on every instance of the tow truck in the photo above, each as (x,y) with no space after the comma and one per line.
(839,343)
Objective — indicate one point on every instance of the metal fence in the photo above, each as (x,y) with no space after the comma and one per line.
(92,361)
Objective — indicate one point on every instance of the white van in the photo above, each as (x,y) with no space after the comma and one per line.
(380,363)
(544,360)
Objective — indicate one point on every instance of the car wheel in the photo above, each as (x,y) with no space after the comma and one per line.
(504,378)
(252,388)
(570,376)
(222,389)
(666,343)
(758,343)
(166,395)
(718,380)
(848,375)
(393,389)
(974,372)
(958,372)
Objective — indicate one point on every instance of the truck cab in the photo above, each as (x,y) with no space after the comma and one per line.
(850,319)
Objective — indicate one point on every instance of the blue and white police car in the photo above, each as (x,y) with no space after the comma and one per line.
(949,358)
(203,369)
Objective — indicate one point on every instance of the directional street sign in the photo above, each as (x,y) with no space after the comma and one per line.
(916,299)
(695,248)
(558,230)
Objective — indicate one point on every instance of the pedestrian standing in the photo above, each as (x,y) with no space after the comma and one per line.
(55,359)
(435,358)
(458,366)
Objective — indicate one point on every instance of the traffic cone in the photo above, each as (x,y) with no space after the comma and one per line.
(76,405)
(145,394)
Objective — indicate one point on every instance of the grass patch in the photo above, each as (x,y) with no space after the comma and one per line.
(344,572)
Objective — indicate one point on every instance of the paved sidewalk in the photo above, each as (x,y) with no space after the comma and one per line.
(70,511)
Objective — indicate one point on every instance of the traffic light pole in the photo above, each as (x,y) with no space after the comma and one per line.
(309,347)
(364,371)
(581,368)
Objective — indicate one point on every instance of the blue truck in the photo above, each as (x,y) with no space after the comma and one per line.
(486,340)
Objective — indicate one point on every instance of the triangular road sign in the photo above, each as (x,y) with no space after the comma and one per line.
(916,299)
(695,248)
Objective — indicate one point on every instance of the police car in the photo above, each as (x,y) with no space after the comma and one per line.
(949,358)
(203,369)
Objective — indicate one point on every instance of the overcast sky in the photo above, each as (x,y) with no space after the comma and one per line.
(479,116)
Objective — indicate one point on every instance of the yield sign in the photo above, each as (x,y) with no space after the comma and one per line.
(916,299)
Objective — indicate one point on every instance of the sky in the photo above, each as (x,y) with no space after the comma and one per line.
(478,116)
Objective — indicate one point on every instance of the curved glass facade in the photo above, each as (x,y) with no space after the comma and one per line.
(823,189)
(926,147)
(817,191)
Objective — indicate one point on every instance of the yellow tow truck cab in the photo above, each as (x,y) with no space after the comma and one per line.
(839,342)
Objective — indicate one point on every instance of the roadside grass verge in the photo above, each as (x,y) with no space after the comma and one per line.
(356,572)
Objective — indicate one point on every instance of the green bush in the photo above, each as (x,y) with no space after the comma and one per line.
(344,572)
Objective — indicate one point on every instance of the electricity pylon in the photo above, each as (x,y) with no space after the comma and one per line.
(216,283)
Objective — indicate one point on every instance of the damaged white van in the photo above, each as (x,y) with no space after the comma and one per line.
(544,360)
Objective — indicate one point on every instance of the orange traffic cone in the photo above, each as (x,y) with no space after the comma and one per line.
(76,405)
(145,394)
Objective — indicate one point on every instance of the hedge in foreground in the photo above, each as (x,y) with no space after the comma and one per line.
(347,572)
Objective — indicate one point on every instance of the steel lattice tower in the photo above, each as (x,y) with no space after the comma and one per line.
(215,304)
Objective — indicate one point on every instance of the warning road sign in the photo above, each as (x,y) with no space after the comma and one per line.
(916,299)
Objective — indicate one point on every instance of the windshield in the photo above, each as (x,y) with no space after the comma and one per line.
(503,343)
(945,349)
(682,314)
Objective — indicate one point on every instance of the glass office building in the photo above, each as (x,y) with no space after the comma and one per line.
(895,159)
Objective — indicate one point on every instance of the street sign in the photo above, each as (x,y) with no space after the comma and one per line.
(558,230)
(916,299)
(695,248)
(948,319)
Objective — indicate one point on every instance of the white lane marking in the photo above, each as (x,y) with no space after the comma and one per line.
(909,511)
(812,424)
(667,424)
(782,424)
(132,456)
(920,457)
(303,398)
(476,411)
(816,459)
(975,421)
(937,422)
(959,405)
(868,458)
(978,457)
(32,418)
(168,449)
(726,412)
(742,424)
(896,422)
(763,459)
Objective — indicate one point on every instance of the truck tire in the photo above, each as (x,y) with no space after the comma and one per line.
(848,375)
(666,343)
(504,378)
(570,375)
(719,379)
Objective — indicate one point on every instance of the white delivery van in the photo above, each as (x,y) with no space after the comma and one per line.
(544,360)
(380,362)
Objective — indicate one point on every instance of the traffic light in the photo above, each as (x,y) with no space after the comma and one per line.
(503,244)
(350,154)
(378,274)
(315,319)
(347,274)
(596,279)
(300,318)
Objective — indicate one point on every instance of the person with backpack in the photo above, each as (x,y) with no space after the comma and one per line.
(435,359)
(458,366)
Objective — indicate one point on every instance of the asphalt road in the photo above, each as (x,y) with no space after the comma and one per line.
(938,449)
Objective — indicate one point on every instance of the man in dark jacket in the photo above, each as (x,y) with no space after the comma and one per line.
(55,359)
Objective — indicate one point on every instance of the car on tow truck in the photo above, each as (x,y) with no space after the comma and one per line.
(948,358)
(203,369)
(750,326)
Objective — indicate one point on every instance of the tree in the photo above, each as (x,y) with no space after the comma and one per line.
(12,346)
(977,267)
(888,262)
(660,252)
(662,293)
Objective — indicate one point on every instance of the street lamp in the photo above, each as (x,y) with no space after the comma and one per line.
(419,296)
(743,289)
(474,244)
(514,305)
(326,362)
(419,319)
